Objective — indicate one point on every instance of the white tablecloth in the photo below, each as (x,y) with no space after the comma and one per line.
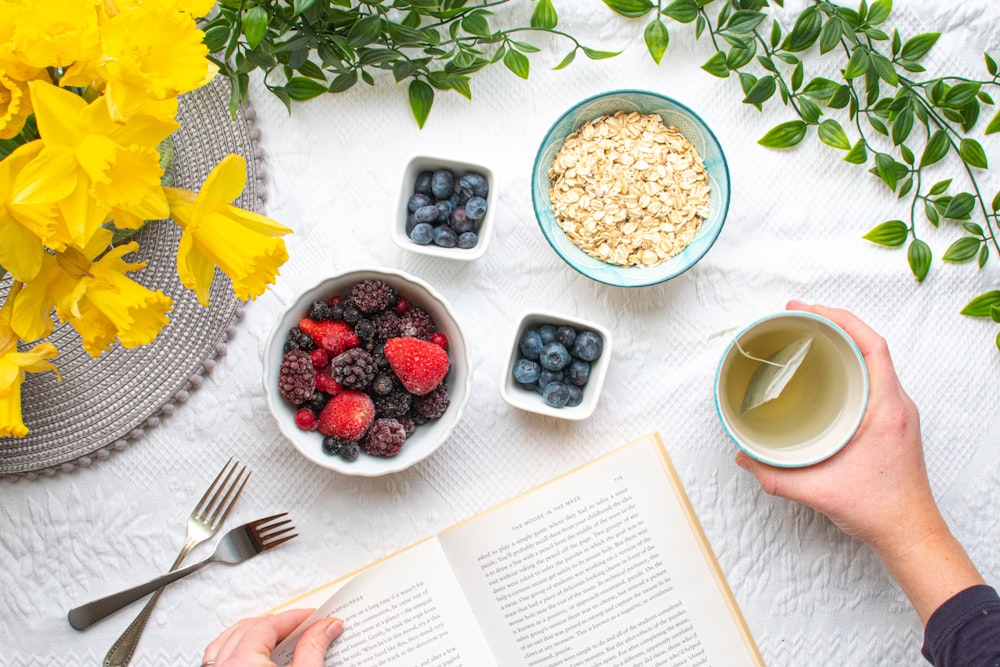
(810,595)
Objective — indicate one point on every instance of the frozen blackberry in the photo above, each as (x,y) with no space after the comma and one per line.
(352,315)
(317,401)
(394,405)
(298,340)
(333,445)
(365,330)
(417,323)
(320,310)
(383,384)
(408,425)
(387,325)
(432,405)
(354,369)
(372,296)
(297,377)
(385,438)
(350,451)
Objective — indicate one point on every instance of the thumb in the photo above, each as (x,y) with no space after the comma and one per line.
(312,645)
(767,476)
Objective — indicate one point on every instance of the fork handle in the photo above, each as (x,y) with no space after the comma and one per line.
(86,615)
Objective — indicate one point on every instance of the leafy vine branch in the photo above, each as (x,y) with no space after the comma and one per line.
(903,125)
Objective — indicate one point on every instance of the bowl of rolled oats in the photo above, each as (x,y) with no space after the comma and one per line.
(630,188)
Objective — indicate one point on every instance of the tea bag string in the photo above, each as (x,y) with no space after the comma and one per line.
(750,356)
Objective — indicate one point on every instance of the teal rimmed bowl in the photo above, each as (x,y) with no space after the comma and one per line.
(694,130)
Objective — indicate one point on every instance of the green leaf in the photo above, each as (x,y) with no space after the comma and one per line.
(300,6)
(682,11)
(994,125)
(995,204)
(841,98)
(885,70)
(901,126)
(254,25)
(960,94)
(879,12)
(939,188)
(981,305)
(421,100)
(917,46)
(775,34)
(936,148)
(829,37)
(216,38)
(984,255)
(633,9)
(566,60)
(972,152)
(544,17)
(762,90)
(716,65)
(744,21)
(991,64)
(962,250)
(918,255)
(785,135)
(973,229)
(820,88)
(932,214)
(300,88)
(832,134)
(517,63)
(805,31)
(809,111)
(342,82)
(365,31)
(858,154)
(858,64)
(596,54)
(657,38)
(890,234)
(747,81)
(885,168)
(960,206)
(477,24)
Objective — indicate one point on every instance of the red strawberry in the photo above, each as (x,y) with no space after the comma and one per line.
(419,364)
(334,337)
(347,415)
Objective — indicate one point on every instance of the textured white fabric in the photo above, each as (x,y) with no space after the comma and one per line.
(810,595)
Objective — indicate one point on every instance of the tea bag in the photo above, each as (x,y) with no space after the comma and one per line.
(774,373)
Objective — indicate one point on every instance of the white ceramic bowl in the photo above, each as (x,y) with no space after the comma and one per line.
(421,163)
(530,400)
(426,438)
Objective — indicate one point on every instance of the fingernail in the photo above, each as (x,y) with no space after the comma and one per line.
(334,629)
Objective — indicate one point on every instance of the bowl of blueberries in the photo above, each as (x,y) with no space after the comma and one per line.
(556,366)
(445,208)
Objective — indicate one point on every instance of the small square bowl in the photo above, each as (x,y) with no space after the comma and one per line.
(415,166)
(426,438)
(525,398)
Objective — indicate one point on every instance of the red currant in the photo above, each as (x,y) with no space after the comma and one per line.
(305,419)
(440,340)
(402,305)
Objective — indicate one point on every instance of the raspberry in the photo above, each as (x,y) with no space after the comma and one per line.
(416,323)
(354,369)
(440,339)
(319,358)
(394,405)
(432,405)
(305,419)
(385,438)
(296,377)
(372,296)
(401,306)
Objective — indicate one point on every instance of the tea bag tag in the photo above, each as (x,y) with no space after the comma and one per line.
(774,373)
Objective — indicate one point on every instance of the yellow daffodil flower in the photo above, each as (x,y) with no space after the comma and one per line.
(91,167)
(15,105)
(241,243)
(151,51)
(54,33)
(14,364)
(21,248)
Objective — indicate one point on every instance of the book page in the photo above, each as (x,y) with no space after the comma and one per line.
(402,611)
(605,565)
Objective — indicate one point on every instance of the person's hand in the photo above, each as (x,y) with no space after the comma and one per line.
(248,643)
(876,488)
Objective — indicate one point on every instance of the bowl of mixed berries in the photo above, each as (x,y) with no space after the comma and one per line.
(367,372)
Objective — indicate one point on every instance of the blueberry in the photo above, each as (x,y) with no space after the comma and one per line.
(411,222)
(545,378)
(588,345)
(473,185)
(459,222)
(423,234)
(566,335)
(475,208)
(526,371)
(579,372)
(548,333)
(427,213)
(422,184)
(575,396)
(442,183)
(445,237)
(416,201)
(457,199)
(467,240)
(444,210)
(530,344)
(554,356)
(556,394)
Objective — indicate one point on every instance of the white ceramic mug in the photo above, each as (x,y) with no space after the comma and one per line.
(818,411)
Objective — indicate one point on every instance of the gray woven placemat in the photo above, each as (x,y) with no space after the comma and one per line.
(103,404)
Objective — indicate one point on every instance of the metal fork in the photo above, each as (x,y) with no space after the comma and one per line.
(234,547)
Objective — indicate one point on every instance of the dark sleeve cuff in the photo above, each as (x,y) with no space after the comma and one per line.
(965,630)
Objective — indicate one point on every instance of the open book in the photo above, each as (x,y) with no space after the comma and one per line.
(606,565)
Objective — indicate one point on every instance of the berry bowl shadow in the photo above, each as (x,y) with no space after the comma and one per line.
(426,438)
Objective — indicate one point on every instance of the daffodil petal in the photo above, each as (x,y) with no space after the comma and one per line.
(57,112)
(49,177)
(224,184)
(257,222)
(20,251)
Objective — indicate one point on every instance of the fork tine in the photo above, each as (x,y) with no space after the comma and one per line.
(268,533)
(205,503)
(227,502)
(271,545)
